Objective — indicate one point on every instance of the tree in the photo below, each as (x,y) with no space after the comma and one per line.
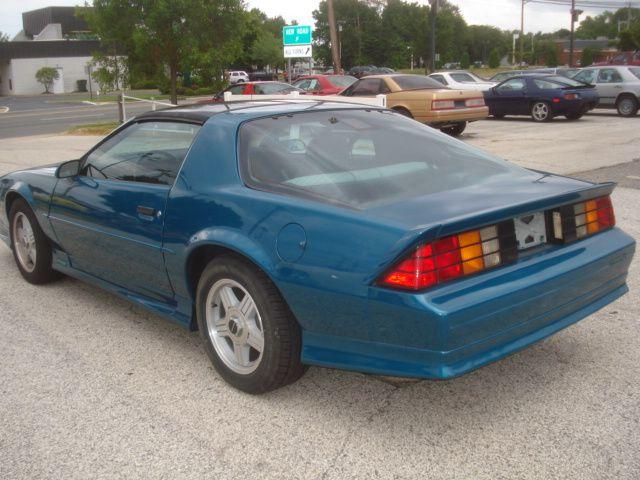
(627,41)
(587,57)
(4,37)
(267,50)
(178,35)
(494,58)
(551,54)
(465,61)
(46,76)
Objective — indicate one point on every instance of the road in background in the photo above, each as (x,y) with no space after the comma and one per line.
(38,115)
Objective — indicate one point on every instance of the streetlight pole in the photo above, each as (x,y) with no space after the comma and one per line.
(573,7)
(434,13)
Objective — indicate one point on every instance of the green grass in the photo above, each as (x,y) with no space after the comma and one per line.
(93,129)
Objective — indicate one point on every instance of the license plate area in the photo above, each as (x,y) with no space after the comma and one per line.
(531,230)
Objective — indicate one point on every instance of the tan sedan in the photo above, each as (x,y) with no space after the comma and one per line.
(425,100)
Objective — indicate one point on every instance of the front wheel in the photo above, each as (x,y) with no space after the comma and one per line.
(249,333)
(627,106)
(455,130)
(541,112)
(30,246)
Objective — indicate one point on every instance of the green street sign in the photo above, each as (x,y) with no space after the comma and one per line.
(296,35)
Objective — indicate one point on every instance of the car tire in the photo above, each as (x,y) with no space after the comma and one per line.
(574,116)
(403,111)
(248,331)
(455,130)
(30,246)
(627,106)
(541,112)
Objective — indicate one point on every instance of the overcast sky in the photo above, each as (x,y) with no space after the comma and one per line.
(500,13)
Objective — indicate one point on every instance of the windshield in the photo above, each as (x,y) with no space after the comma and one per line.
(341,80)
(357,158)
(635,71)
(416,82)
(271,88)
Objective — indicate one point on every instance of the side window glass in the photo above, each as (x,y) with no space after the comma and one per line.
(439,78)
(148,152)
(609,75)
(366,87)
(237,89)
(514,84)
(314,85)
(303,84)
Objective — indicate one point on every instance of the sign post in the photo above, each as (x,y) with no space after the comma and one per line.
(296,41)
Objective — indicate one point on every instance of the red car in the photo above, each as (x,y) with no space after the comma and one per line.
(256,88)
(324,84)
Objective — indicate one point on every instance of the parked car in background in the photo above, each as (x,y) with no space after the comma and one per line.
(425,100)
(564,71)
(378,71)
(237,76)
(256,88)
(617,86)
(451,66)
(541,96)
(461,80)
(359,70)
(623,58)
(318,233)
(324,84)
(262,76)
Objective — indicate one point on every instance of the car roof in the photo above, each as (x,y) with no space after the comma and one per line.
(200,113)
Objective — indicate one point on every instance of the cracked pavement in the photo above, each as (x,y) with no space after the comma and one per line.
(94,387)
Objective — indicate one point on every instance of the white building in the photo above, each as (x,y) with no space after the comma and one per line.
(48,39)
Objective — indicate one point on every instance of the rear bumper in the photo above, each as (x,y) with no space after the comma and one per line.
(449,117)
(465,325)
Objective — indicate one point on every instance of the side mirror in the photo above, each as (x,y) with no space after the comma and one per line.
(68,169)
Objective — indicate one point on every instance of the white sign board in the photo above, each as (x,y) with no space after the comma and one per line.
(297,51)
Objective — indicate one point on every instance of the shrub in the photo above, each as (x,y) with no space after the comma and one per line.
(465,61)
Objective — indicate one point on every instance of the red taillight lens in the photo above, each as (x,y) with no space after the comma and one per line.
(453,256)
(583,219)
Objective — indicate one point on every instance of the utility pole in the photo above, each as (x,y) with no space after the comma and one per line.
(522,31)
(573,7)
(434,13)
(333,34)
(574,18)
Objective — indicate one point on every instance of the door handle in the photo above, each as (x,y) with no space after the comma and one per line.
(147,213)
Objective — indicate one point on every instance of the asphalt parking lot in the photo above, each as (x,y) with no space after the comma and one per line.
(94,387)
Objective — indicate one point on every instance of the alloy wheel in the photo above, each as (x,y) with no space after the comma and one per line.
(626,106)
(540,111)
(24,242)
(234,326)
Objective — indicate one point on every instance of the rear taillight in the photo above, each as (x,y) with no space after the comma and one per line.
(571,96)
(579,220)
(443,104)
(454,256)
(475,102)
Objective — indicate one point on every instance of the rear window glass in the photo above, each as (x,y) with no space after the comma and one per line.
(357,158)
(342,80)
(635,71)
(416,82)
(570,82)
